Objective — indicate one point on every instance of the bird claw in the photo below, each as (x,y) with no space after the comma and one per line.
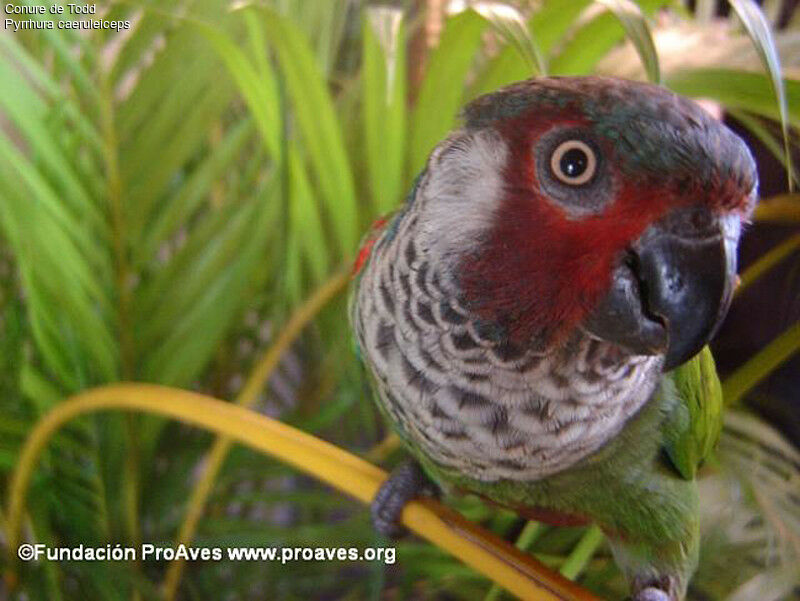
(404,483)
(652,593)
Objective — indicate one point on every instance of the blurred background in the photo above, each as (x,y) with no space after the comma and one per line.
(171,192)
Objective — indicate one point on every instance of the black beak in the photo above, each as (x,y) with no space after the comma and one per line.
(672,288)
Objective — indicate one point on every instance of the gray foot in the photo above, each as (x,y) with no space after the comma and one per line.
(652,593)
(406,481)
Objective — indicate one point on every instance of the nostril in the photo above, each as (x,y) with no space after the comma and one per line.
(633,262)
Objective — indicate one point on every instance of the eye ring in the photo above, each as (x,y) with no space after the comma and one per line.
(573,162)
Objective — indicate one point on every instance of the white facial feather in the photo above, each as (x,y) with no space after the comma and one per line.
(460,193)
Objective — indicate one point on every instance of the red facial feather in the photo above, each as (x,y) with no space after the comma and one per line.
(541,272)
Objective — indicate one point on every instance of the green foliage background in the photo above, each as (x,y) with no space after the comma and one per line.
(168,196)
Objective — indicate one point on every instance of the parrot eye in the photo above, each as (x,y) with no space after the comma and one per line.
(572,172)
(573,162)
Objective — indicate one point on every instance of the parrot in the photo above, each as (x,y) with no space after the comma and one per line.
(534,318)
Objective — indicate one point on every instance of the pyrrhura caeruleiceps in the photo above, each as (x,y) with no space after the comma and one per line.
(534,319)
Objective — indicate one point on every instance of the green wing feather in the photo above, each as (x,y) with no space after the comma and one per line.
(694,429)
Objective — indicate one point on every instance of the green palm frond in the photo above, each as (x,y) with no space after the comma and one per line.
(170,193)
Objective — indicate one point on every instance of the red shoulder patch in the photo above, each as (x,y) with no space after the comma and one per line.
(366,247)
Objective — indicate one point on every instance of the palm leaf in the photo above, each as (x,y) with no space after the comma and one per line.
(511,26)
(548,24)
(759,31)
(737,89)
(440,94)
(319,128)
(638,31)
(594,39)
(384,102)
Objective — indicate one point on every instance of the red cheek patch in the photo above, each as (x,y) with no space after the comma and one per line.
(541,272)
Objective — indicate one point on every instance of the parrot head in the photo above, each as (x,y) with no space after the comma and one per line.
(593,204)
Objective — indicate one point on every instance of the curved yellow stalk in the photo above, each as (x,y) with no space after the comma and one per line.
(761,365)
(783,209)
(378,453)
(518,573)
(262,371)
(767,261)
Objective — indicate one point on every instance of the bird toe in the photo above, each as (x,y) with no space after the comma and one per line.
(651,593)
(405,482)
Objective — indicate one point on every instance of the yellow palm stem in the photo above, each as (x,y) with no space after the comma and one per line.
(384,448)
(782,209)
(262,371)
(768,261)
(518,573)
(761,365)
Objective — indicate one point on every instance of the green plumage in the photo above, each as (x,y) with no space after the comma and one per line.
(640,488)
(697,422)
